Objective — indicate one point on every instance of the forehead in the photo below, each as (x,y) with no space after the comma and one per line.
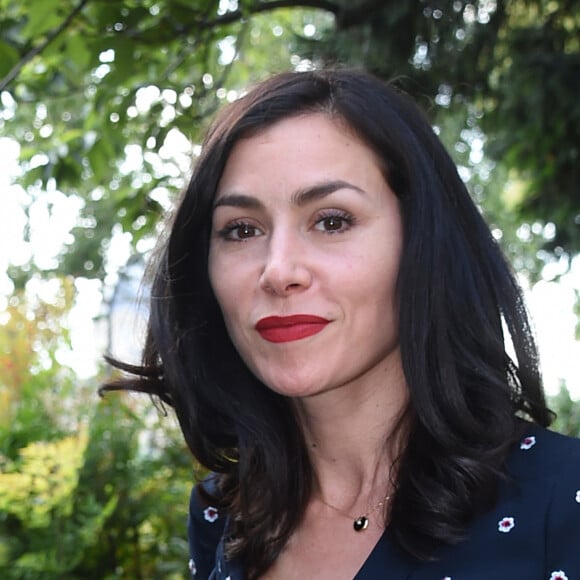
(299,161)
(297,142)
(322,121)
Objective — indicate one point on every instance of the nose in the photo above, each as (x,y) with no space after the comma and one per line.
(285,269)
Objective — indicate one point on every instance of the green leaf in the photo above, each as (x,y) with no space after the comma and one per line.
(124,58)
(8,58)
(42,18)
(71,135)
(78,52)
(99,160)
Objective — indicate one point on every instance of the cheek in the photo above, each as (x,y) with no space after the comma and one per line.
(381,277)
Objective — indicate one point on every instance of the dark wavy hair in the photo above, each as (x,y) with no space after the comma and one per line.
(457,298)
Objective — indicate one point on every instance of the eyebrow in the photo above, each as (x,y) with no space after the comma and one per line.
(300,197)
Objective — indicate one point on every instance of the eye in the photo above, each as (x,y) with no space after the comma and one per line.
(335,222)
(239,231)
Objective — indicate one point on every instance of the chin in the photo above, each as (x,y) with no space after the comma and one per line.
(296,388)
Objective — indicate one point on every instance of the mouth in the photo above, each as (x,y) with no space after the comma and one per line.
(290,328)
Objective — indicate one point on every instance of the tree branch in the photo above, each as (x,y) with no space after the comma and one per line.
(237,15)
(347,16)
(355,15)
(37,50)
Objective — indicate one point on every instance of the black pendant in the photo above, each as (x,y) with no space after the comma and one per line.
(360,524)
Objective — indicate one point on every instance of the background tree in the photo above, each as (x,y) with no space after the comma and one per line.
(88,489)
(106,81)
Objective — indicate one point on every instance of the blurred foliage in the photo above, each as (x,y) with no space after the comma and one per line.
(33,384)
(45,473)
(567,413)
(88,489)
(96,92)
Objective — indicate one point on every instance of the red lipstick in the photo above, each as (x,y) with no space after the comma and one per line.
(289,328)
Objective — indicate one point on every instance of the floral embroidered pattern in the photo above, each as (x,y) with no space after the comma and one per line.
(578,496)
(528,442)
(191,566)
(506,525)
(210,514)
(558,575)
(446,578)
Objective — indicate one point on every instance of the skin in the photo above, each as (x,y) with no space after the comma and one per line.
(305,223)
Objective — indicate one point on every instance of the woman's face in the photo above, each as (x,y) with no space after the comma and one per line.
(304,254)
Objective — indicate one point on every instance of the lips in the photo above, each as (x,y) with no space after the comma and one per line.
(289,328)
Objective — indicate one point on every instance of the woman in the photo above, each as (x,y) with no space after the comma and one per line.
(328,320)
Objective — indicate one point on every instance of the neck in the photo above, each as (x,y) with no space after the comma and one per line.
(352,438)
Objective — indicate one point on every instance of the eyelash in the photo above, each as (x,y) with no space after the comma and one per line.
(226,233)
(343,216)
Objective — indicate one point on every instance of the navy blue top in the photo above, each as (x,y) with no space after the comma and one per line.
(533,533)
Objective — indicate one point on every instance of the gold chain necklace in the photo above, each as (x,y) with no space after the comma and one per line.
(362,522)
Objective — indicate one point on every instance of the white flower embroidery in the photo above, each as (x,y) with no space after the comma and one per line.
(528,442)
(446,578)
(578,496)
(558,575)
(192,568)
(506,525)
(210,514)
